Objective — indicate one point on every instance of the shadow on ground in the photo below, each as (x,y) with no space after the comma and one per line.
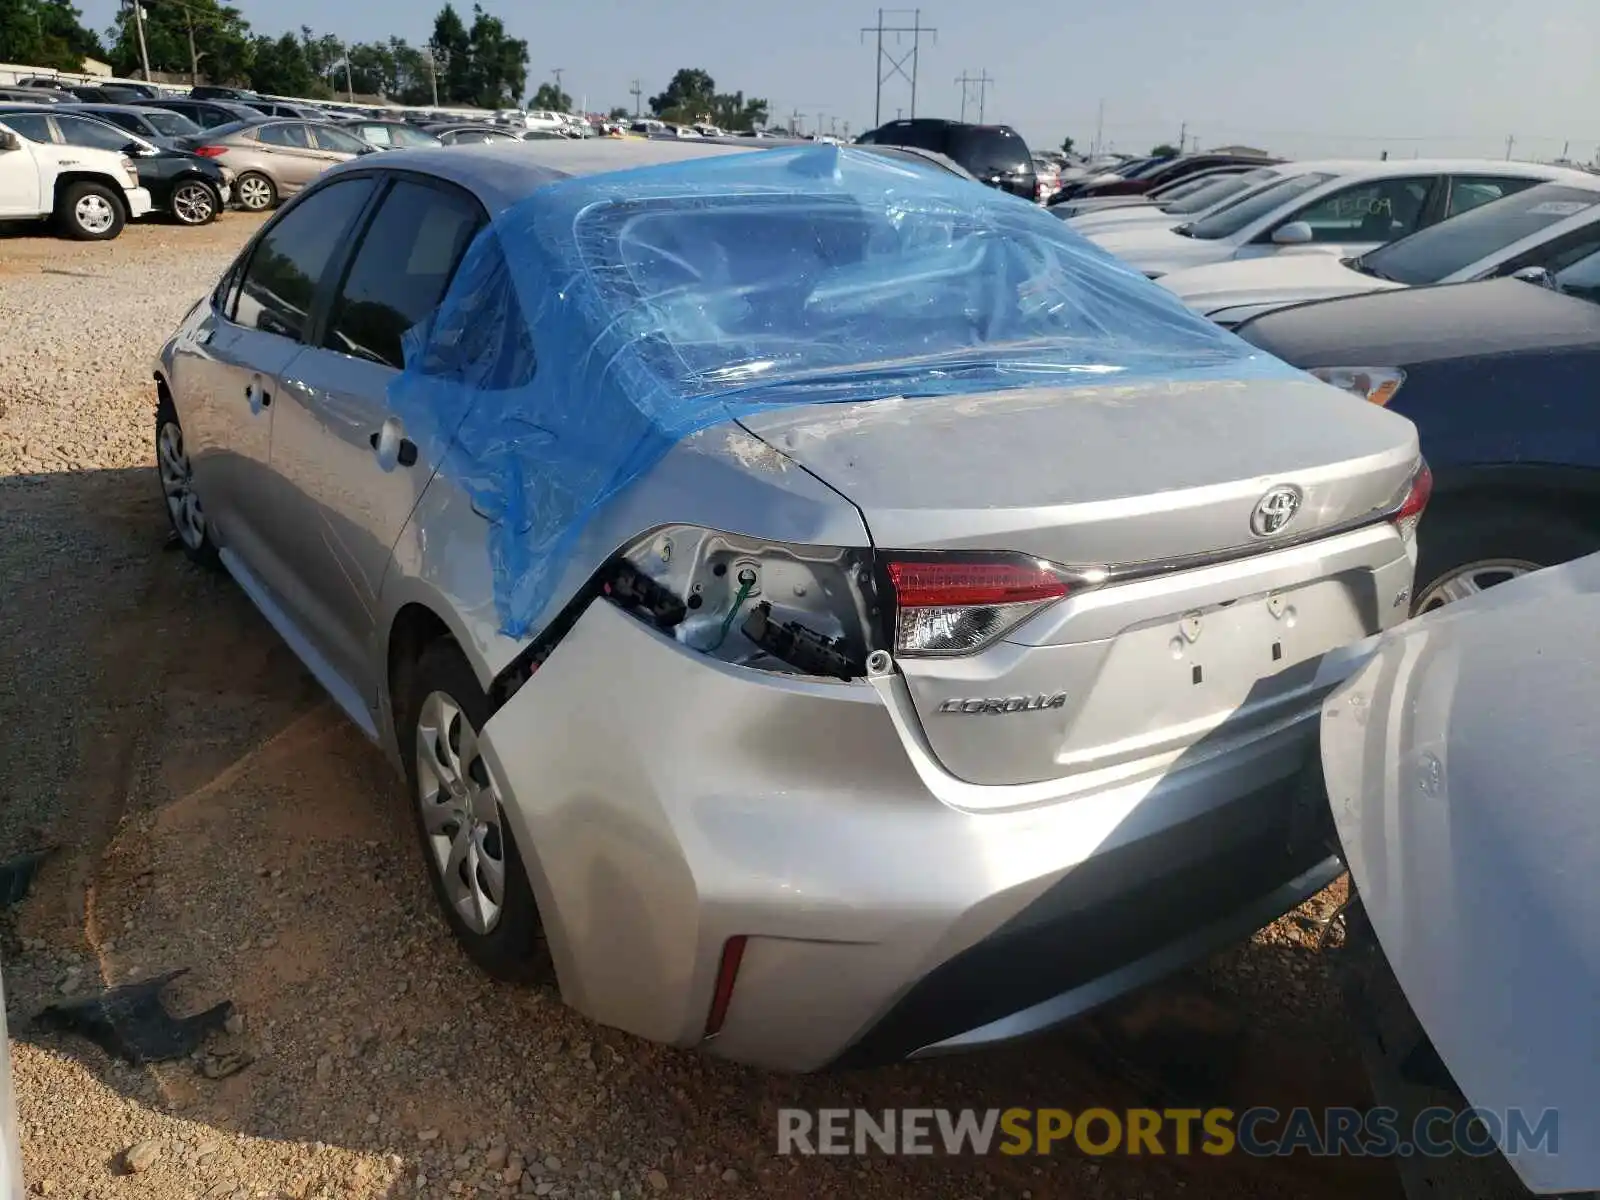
(216,813)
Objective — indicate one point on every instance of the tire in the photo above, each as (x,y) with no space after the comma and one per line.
(443,704)
(90,212)
(254,192)
(1472,548)
(194,202)
(184,513)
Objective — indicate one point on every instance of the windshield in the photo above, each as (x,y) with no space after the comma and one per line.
(169,124)
(1212,193)
(1232,218)
(1429,255)
(989,150)
(1149,167)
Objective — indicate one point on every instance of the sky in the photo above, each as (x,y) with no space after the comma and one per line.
(1354,78)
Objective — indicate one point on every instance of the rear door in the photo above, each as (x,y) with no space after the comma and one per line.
(352,472)
(295,159)
(229,389)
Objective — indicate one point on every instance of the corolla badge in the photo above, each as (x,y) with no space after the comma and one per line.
(996,705)
(1275,510)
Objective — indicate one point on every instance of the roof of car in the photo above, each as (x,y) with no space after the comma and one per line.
(502,173)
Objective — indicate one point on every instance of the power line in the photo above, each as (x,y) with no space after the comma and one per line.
(897,66)
(984,81)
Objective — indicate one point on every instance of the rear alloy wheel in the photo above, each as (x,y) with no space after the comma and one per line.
(256,192)
(195,203)
(471,855)
(177,487)
(1470,579)
(90,212)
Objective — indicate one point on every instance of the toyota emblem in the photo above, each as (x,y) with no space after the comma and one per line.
(1274,511)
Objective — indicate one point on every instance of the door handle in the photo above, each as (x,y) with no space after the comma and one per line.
(392,447)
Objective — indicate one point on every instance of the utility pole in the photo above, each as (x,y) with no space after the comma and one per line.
(349,84)
(796,120)
(636,91)
(194,57)
(984,81)
(1183,136)
(1511,140)
(558,72)
(436,58)
(1099,126)
(897,66)
(138,25)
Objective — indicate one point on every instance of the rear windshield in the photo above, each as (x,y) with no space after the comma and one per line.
(170,124)
(222,131)
(989,150)
(1229,220)
(760,291)
(1429,255)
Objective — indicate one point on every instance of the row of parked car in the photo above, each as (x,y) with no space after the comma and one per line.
(1464,293)
(92,165)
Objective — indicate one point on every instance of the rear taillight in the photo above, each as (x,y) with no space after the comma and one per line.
(210,151)
(1416,499)
(947,605)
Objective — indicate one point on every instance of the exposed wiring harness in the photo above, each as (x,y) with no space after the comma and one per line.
(747,582)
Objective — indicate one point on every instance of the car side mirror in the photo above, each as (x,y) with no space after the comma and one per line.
(9,141)
(136,150)
(1295,233)
(1538,275)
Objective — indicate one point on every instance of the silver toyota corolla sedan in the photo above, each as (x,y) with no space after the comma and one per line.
(823,609)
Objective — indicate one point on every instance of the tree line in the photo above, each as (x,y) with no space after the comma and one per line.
(473,64)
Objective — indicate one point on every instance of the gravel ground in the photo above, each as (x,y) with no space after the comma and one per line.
(214,812)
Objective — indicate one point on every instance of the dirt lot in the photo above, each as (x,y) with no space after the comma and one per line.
(214,812)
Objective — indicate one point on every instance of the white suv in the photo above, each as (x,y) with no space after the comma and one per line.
(91,193)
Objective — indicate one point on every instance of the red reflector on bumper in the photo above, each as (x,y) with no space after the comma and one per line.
(727,976)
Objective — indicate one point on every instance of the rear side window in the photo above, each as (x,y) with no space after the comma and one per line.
(80,131)
(280,282)
(1467,192)
(989,150)
(33,126)
(284,135)
(378,135)
(406,261)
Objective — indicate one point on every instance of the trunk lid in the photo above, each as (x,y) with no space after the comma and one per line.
(1098,476)
(1151,474)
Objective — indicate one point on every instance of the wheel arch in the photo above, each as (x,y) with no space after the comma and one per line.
(67,178)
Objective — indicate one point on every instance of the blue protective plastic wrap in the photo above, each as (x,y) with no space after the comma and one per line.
(606,317)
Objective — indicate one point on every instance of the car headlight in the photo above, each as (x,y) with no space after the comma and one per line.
(1376,385)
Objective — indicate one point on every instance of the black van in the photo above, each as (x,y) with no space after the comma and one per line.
(995,154)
